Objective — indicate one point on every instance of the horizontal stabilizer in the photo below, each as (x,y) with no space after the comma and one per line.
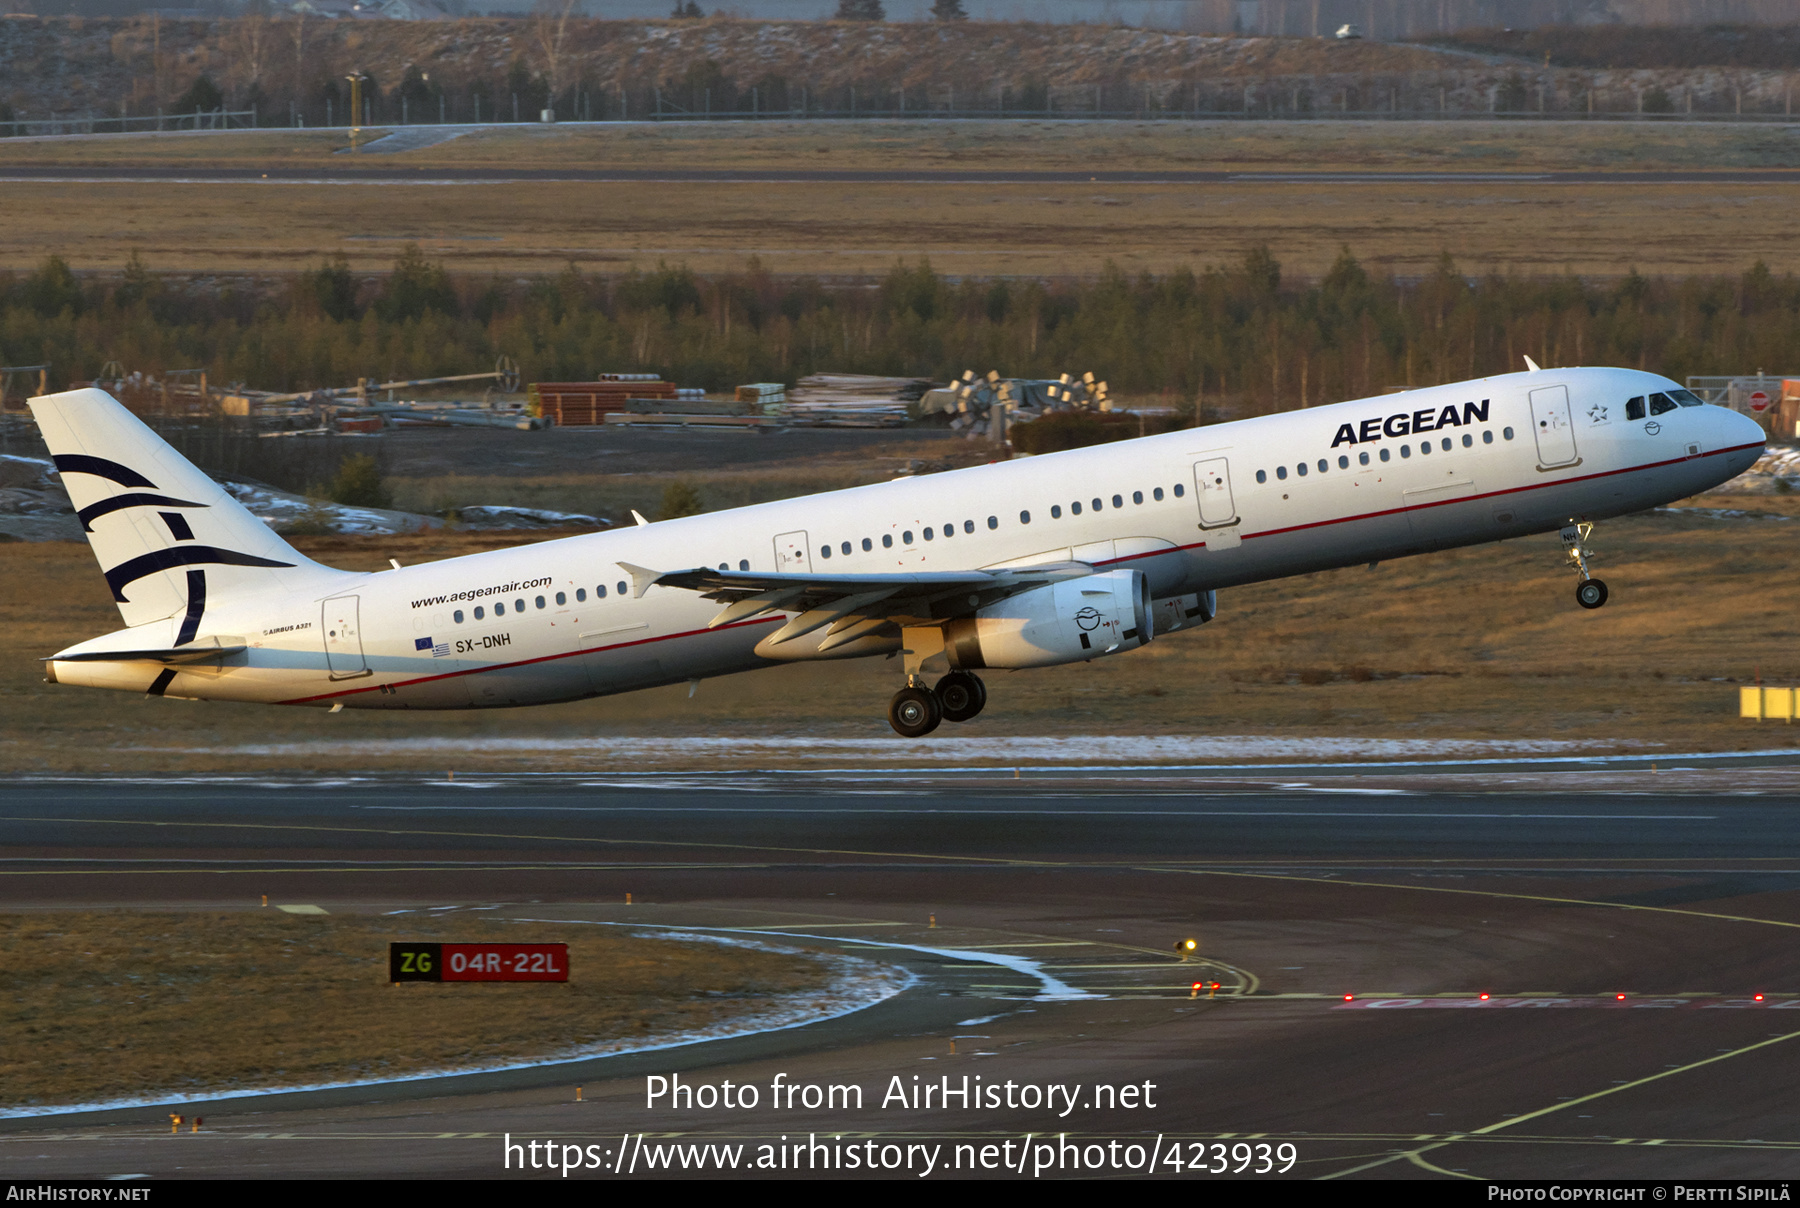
(179,656)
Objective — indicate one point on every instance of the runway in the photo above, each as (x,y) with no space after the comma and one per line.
(390,173)
(1413,901)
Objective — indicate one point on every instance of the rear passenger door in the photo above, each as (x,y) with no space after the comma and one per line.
(1212,483)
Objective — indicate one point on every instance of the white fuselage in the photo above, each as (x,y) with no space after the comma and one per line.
(1194,510)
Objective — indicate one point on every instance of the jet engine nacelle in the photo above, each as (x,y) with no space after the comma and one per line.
(1064,622)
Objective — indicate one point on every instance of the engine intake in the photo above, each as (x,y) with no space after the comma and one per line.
(1066,622)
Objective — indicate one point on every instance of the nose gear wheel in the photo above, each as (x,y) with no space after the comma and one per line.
(1590,592)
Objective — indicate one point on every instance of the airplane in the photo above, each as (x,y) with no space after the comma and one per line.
(1032,562)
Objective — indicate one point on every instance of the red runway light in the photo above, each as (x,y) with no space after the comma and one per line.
(1349,997)
(1619,997)
(1484,998)
(1759,998)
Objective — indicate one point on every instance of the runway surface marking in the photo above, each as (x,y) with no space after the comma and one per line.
(1469,1002)
(1480,893)
(1415,1155)
(1026,812)
(445,834)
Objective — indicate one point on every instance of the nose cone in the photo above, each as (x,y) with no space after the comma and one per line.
(1737,429)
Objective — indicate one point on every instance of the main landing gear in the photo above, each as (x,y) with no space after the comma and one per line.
(917,710)
(1590,592)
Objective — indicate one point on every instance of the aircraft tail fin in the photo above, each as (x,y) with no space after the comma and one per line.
(167,537)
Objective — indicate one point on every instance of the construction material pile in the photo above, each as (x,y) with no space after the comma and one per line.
(571,404)
(854,400)
(976,401)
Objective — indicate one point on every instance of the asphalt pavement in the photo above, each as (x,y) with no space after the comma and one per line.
(1621,940)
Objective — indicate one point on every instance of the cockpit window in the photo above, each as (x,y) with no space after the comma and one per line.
(1661,404)
(1687,398)
(1634,408)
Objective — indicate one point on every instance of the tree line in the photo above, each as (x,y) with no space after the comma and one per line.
(1234,339)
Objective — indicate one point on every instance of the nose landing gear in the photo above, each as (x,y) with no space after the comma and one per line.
(1590,592)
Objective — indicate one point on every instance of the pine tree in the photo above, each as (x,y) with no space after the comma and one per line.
(949,10)
(861,10)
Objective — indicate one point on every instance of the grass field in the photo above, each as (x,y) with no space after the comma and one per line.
(856,229)
(119,1004)
(1478,643)
(1019,144)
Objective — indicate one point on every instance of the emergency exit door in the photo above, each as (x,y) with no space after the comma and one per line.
(790,554)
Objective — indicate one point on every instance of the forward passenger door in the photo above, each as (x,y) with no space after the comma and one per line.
(1553,426)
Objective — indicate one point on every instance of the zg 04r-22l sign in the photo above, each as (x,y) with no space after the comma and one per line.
(478,962)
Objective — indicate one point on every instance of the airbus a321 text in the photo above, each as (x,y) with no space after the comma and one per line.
(1025,563)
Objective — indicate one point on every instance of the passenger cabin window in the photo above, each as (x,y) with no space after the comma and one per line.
(1137,497)
(457,615)
(600,592)
(1506,433)
(1300,469)
(1024,517)
(1661,404)
(887,541)
(1343,461)
(994,521)
(969,525)
(518,605)
(1281,473)
(1099,506)
(499,610)
(1156,494)
(1056,511)
(1446,444)
(1323,466)
(1385,455)
(1075,508)
(1468,441)
(539,601)
(561,599)
(478,613)
(744,563)
(867,545)
(1180,490)
(1424,447)
(1405,450)
(824,552)
(845,547)
(1634,408)
(1362,459)
(1262,476)
(581,595)
(930,532)
(1118,501)
(622,588)
(1487,438)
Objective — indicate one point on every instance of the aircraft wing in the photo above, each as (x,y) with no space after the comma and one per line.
(852,605)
